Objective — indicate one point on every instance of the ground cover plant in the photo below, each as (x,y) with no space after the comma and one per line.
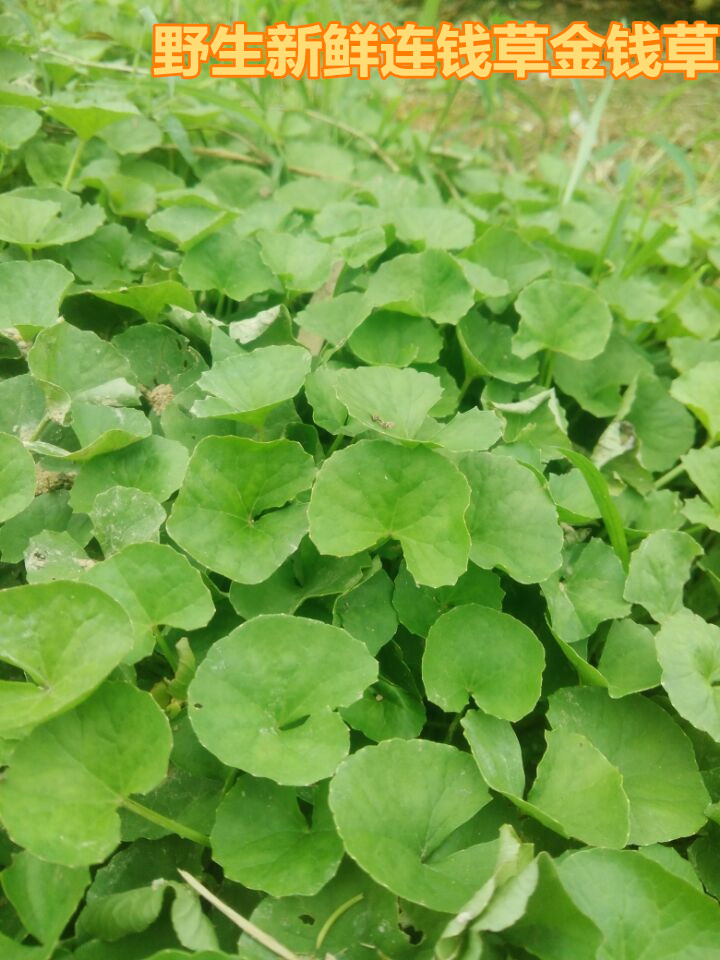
(359,514)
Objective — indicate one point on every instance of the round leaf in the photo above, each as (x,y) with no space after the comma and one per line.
(254,381)
(563,317)
(641,909)
(155,585)
(375,490)
(262,839)
(479,652)
(580,789)
(60,794)
(154,465)
(429,284)
(512,520)
(396,806)
(264,698)
(658,571)
(31,294)
(390,401)
(660,774)
(66,637)
(231,513)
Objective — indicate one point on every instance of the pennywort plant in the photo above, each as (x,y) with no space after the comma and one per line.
(359,514)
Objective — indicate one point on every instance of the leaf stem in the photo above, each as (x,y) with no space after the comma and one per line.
(162,821)
(668,477)
(546,368)
(165,649)
(72,166)
(334,917)
(35,435)
(335,445)
(247,926)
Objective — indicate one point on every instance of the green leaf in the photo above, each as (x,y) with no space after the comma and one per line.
(655,758)
(160,356)
(22,406)
(23,220)
(48,511)
(88,119)
(664,430)
(641,909)
(590,591)
(185,225)
(116,915)
(597,384)
(134,134)
(628,660)
(302,263)
(233,513)
(16,126)
(396,806)
(505,254)
(124,515)
(387,709)
(396,339)
(276,848)
(429,284)
(45,895)
(154,465)
(699,390)
(253,382)
(74,364)
(227,263)
(32,294)
(155,585)
(367,612)
(496,750)
(54,556)
(498,904)
(562,317)
(553,927)
(60,794)
(98,429)
(439,227)
(387,400)
(375,490)
(193,928)
(688,650)
(17,477)
(703,468)
(349,913)
(334,319)
(66,637)
(659,569)
(572,495)
(477,652)
(579,788)
(148,299)
(487,350)
(512,521)
(304,575)
(264,698)
(39,217)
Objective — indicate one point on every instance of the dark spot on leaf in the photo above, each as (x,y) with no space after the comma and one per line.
(306,809)
(414,935)
(293,724)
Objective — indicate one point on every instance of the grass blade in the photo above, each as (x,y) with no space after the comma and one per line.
(601,495)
